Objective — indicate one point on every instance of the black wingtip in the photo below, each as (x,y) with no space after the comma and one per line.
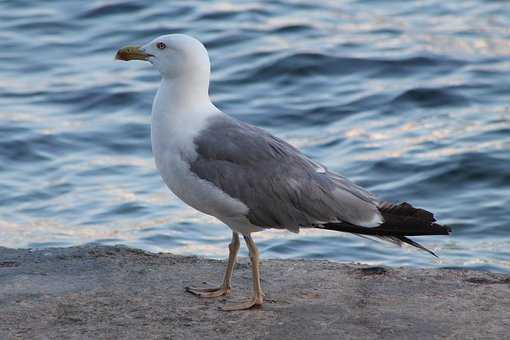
(448,229)
(417,245)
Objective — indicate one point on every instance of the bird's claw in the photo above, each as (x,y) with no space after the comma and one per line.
(208,292)
(255,302)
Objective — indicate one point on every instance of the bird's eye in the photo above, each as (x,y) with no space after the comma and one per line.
(161,45)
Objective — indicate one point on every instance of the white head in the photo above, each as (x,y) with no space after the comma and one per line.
(183,63)
(174,55)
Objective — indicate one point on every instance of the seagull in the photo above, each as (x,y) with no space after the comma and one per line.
(247,178)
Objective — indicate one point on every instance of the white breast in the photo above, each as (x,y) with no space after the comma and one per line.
(172,145)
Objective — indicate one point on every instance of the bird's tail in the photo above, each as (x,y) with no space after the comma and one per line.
(399,221)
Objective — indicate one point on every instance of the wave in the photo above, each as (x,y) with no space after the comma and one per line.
(299,65)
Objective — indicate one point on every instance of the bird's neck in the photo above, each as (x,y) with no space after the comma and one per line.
(180,110)
(183,95)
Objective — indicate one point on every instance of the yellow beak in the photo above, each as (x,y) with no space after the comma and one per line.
(132,53)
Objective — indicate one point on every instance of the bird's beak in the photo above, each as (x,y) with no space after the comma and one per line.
(132,53)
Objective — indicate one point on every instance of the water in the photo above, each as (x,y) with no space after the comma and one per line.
(409,99)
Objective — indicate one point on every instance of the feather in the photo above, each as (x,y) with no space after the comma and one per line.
(399,221)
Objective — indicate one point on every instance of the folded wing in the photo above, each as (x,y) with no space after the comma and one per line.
(281,187)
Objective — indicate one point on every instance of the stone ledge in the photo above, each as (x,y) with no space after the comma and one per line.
(95,292)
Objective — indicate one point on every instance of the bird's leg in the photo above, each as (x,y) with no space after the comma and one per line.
(224,289)
(258,295)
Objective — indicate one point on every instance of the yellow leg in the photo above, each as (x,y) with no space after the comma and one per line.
(226,286)
(258,295)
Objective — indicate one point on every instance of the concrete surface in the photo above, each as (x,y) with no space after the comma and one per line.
(98,292)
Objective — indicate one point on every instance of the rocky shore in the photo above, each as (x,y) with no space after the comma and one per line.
(99,292)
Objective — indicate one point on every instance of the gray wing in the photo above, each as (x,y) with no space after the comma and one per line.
(281,187)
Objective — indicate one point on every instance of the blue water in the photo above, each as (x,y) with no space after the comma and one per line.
(409,99)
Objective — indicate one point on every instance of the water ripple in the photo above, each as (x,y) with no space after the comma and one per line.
(409,100)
